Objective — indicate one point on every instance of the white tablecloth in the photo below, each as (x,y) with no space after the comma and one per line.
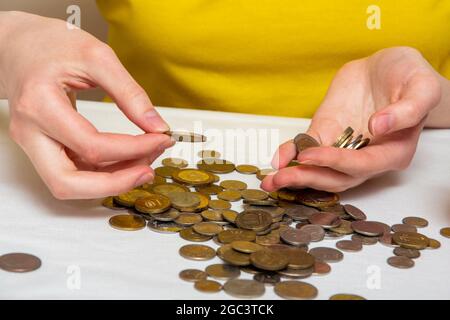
(83,257)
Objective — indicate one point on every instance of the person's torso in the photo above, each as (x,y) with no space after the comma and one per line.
(262,56)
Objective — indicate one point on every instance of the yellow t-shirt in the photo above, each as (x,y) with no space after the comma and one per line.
(264,56)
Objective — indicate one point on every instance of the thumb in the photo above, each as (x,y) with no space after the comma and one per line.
(419,96)
(108,72)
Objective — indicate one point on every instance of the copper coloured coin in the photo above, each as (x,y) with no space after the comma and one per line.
(327,254)
(349,245)
(354,212)
(325,219)
(19,262)
(400,262)
(368,228)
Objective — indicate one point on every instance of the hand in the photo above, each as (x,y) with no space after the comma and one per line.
(41,61)
(387,95)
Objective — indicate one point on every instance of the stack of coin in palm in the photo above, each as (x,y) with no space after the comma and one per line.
(269,238)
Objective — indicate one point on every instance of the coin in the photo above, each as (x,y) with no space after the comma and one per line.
(268,239)
(321,268)
(233,257)
(286,194)
(211,189)
(204,201)
(229,195)
(245,246)
(344,228)
(109,203)
(228,236)
(181,136)
(222,271)
(415,221)
(256,220)
(207,228)
(364,239)
(229,215)
(354,212)
(346,296)
(326,220)
(300,212)
(304,141)
(245,289)
(295,237)
(262,173)
(208,286)
(209,154)
(269,260)
(152,203)
(433,244)
(216,165)
(295,290)
(127,222)
(296,273)
(349,245)
(190,234)
(197,252)
(164,227)
(166,188)
(410,253)
(326,254)
(445,232)
(403,228)
(401,262)
(246,169)
(212,215)
(184,201)
(174,162)
(367,228)
(316,198)
(19,262)
(254,194)
(129,198)
(269,278)
(343,138)
(168,215)
(192,177)
(300,259)
(219,204)
(192,275)
(233,185)
(188,219)
(166,172)
(410,240)
(386,239)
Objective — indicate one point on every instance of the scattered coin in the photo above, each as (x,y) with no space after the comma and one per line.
(168,215)
(403,228)
(174,162)
(208,286)
(209,154)
(245,246)
(216,165)
(166,172)
(219,204)
(129,198)
(253,194)
(256,220)
(19,262)
(316,232)
(364,239)
(212,215)
(304,141)
(109,203)
(233,257)
(415,221)
(349,245)
(229,195)
(300,212)
(269,260)
(262,173)
(188,219)
(184,201)
(295,237)
(211,189)
(164,227)
(152,203)
(166,188)
(300,259)
(367,228)
(245,289)
(229,215)
(346,296)
(326,254)
(247,169)
(401,262)
(197,252)
(233,185)
(228,236)
(190,234)
(207,228)
(192,275)
(354,212)
(223,271)
(409,253)
(445,232)
(326,220)
(127,222)
(344,228)
(433,244)
(321,268)
(268,278)
(296,290)
(410,240)
(193,177)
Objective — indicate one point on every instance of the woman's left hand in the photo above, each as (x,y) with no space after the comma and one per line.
(386,97)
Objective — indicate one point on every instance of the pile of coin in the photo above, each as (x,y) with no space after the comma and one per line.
(269,238)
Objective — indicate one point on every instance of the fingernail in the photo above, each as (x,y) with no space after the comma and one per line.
(167,144)
(156,121)
(147,177)
(383,124)
(306,161)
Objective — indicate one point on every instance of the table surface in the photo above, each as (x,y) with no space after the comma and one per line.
(84,258)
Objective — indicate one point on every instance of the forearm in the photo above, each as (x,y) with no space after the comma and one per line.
(439,117)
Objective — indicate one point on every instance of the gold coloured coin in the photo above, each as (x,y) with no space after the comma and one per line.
(207,228)
(316,198)
(181,136)
(188,219)
(222,271)
(346,296)
(445,232)
(197,252)
(211,189)
(247,169)
(192,275)
(243,288)
(208,286)
(228,236)
(230,195)
(212,215)
(168,215)
(340,142)
(234,257)
(254,194)
(153,203)
(219,204)
(127,222)
(164,227)
(209,154)
(233,185)
(109,203)
(400,262)
(129,198)
(262,173)
(166,188)
(433,244)
(269,260)
(245,246)
(166,172)
(256,220)
(216,165)
(174,162)
(295,290)
(410,240)
(184,201)
(415,221)
(193,177)
(229,215)
(190,235)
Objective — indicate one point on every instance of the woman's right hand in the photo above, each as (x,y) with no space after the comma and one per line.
(41,61)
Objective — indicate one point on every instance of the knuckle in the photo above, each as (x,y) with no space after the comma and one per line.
(97,50)
(59,189)
(134,92)
(91,153)
(403,164)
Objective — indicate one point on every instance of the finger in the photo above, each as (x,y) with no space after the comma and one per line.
(64,124)
(309,176)
(66,182)
(390,153)
(285,154)
(134,102)
(419,96)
